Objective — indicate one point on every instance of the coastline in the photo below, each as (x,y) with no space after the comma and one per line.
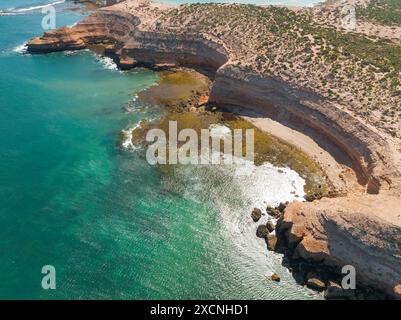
(366,149)
(306,144)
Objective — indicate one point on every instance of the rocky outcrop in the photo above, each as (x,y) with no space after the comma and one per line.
(256,214)
(129,46)
(271,241)
(262,231)
(335,291)
(270,226)
(358,231)
(190,50)
(108,28)
(336,232)
(361,230)
(314,282)
(364,149)
(275,277)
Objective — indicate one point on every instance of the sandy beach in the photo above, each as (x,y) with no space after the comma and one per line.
(318,88)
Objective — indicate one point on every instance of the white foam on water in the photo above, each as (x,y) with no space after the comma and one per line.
(126,142)
(72,25)
(260,186)
(219,131)
(70,52)
(34,8)
(74,52)
(5,13)
(22,48)
(14,11)
(107,63)
(234,190)
(270,185)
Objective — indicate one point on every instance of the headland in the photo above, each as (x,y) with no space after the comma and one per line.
(296,73)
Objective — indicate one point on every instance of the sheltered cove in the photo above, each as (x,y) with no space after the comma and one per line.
(358,228)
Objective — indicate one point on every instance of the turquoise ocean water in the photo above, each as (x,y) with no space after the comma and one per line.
(112,225)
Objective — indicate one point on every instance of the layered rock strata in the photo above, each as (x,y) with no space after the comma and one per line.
(362,229)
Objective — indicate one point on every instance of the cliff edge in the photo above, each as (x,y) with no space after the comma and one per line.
(262,70)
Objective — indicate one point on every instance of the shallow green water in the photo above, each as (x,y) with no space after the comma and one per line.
(112,225)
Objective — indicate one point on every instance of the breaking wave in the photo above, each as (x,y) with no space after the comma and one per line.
(107,62)
(22,48)
(16,11)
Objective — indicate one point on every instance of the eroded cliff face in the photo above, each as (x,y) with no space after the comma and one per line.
(366,151)
(118,34)
(129,46)
(191,50)
(358,231)
(108,28)
(352,230)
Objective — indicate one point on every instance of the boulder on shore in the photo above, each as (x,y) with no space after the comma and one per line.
(312,230)
(335,291)
(256,214)
(262,231)
(281,206)
(270,226)
(313,281)
(397,291)
(271,241)
(275,277)
(274,212)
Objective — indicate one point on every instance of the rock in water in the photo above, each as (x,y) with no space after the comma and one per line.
(256,214)
(281,206)
(397,291)
(273,212)
(271,241)
(275,277)
(262,231)
(314,282)
(270,226)
(335,291)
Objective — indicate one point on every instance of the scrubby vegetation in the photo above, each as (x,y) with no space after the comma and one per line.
(387,12)
(362,73)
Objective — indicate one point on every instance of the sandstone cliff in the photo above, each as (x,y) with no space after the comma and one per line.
(362,230)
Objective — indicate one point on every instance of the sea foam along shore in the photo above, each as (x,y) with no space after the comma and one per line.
(107,62)
(22,48)
(126,138)
(126,142)
(258,186)
(131,37)
(16,11)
